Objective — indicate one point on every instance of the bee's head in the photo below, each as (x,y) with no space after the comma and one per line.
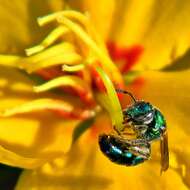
(140,112)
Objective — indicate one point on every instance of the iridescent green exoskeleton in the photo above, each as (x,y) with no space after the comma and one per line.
(128,152)
(149,124)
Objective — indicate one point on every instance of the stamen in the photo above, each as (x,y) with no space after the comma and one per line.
(47,19)
(49,40)
(113,107)
(77,84)
(72,81)
(81,18)
(52,51)
(37,105)
(55,55)
(68,13)
(64,109)
(73,68)
(9,60)
(77,16)
(104,59)
(69,58)
(58,54)
(84,20)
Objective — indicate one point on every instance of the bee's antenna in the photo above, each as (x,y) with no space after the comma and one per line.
(126,92)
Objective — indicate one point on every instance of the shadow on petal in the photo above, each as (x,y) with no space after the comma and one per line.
(180,64)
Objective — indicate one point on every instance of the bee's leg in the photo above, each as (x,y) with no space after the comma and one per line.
(121,133)
(139,147)
(140,127)
(142,149)
(126,133)
(117,131)
(140,130)
(125,124)
(134,142)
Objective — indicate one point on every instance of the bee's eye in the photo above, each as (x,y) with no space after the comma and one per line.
(138,109)
(144,107)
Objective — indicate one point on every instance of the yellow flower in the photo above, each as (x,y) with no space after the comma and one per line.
(37,126)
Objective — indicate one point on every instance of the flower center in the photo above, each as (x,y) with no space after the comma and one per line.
(74,59)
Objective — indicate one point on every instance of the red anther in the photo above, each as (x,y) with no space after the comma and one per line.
(86,97)
(77,113)
(54,72)
(96,79)
(129,55)
(80,74)
(83,94)
(69,115)
(138,82)
(50,73)
(44,74)
(64,114)
(94,131)
(114,51)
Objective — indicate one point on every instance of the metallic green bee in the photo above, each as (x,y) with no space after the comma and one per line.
(148,124)
(124,151)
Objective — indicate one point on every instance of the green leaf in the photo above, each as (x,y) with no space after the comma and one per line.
(81,128)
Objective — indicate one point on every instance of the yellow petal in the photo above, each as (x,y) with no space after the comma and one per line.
(12,159)
(36,136)
(169,92)
(92,169)
(101,16)
(161,27)
(18,23)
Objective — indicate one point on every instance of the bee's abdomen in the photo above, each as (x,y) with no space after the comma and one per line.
(117,151)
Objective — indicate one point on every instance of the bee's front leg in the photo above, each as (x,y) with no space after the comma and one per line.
(122,133)
(140,147)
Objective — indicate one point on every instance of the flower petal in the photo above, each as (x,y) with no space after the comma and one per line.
(24,134)
(161,27)
(169,92)
(92,169)
(12,159)
(18,23)
(100,16)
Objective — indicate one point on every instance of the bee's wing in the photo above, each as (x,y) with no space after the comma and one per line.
(164,152)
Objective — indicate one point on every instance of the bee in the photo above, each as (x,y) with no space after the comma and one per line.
(148,124)
(123,151)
